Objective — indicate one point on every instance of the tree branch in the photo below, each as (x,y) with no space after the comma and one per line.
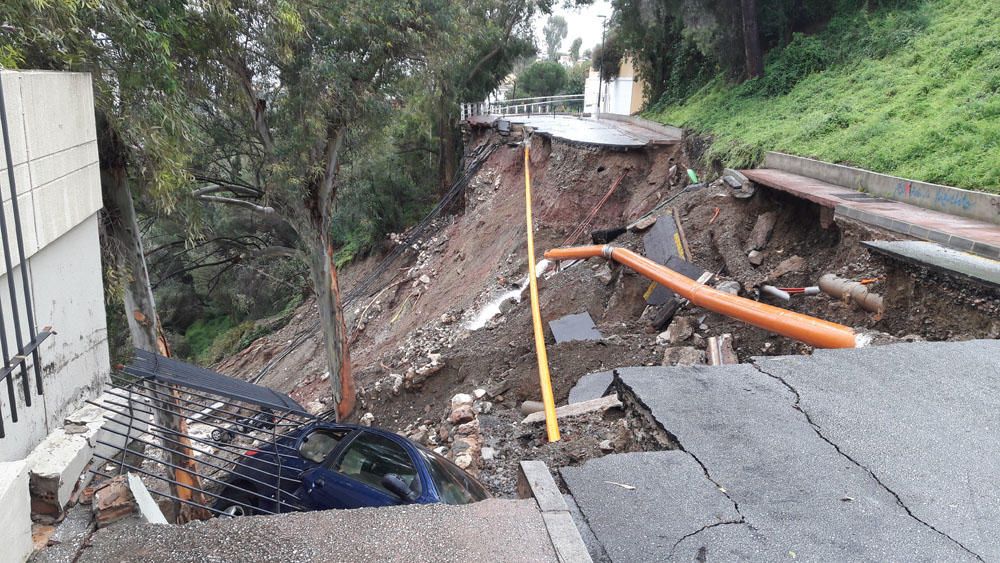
(256,105)
(278,251)
(266,210)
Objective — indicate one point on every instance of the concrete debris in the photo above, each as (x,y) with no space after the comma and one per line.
(729,286)
(680,330)
(644,223)
(720,350)
(756,257)
(577,409)
(147,506)
(790,265)
(683,356)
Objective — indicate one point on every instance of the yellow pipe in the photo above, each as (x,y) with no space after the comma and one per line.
(812,331)
(551,425)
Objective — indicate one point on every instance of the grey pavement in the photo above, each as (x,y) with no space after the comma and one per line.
(933,255)
(493,530)
(640,505)
(585,130)
(591,386)
(574,327)
(923,417)
(878,454)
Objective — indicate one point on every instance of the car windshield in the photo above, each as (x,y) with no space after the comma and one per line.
(370,457)
(454,485)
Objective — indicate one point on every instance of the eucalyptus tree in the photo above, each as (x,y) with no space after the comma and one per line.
(285,88)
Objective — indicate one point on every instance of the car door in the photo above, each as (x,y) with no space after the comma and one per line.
(353,478)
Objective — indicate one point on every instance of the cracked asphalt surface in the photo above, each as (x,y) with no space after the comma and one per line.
(885,453)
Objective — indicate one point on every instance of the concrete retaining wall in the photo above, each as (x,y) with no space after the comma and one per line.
(53,142)
(955,201)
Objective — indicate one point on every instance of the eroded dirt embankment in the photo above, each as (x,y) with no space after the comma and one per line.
(414,351)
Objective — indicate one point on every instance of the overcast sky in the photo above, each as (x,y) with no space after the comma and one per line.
(582,23)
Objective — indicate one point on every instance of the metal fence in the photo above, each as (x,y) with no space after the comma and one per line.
(572,104)
(26,337)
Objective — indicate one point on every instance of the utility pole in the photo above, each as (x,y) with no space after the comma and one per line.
(600,73)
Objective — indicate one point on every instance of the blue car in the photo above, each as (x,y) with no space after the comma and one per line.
(325,465)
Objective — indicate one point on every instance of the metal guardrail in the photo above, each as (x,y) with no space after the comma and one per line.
(571,103)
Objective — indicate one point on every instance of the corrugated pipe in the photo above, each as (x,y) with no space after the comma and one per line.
(851,291)
(812,331)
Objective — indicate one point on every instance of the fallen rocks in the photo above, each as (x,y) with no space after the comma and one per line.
(729,286)
(791,265)
(679,330)
(683,356)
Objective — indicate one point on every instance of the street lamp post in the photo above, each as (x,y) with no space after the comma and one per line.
(600,73)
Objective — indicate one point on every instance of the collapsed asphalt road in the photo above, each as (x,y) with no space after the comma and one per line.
(885,453)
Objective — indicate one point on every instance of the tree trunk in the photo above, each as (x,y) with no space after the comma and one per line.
(751,39)
(331,315)
(140,310)
(448,161)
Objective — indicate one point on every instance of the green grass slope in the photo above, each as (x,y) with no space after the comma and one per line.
(910,92)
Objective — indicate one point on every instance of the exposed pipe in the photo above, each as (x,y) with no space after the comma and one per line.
(775,292)
(851,291)
(812,331)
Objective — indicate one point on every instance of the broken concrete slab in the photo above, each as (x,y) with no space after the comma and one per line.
(574,328)
(55,465)
(936,257)
(576,409)
(591,386)
(922,417)
(796,492)
(14,511)
(671,500)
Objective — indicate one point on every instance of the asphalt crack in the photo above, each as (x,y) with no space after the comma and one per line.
(818,430)
(690,535)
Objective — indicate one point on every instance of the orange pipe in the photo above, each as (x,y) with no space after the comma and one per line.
(812,331)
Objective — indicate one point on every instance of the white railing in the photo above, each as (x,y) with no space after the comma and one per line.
(571,103)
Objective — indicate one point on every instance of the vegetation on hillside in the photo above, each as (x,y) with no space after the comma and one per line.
(911,90)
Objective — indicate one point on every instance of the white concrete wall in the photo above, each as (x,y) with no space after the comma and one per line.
(54,146)
(616,95)
(14,509)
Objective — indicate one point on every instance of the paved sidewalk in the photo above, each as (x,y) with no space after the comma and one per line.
(960,233)
(492,530)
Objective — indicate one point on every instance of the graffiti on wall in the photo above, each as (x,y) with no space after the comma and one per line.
(941,198)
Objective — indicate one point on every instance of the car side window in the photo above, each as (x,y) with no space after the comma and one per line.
(454,485)
(370,457)
(318,444)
